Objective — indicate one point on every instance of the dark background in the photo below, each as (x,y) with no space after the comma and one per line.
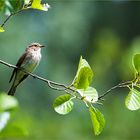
(106,34)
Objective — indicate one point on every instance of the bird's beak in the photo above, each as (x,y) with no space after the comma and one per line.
(42,46)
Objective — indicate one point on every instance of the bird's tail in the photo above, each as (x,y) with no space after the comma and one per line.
(12,90)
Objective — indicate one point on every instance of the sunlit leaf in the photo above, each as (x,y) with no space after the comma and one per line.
(132,100)
(136,62)
(36,4)
(27,1)
(83,76)
(4,118)
(90,94)
(7,102)
(1,29)
(63,105)
(97,119)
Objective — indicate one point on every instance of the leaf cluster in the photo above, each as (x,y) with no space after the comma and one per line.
(89,95)
(12,7)
(132,101)
(83,91)
(9,6)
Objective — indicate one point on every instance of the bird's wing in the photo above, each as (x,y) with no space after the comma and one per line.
(20,61)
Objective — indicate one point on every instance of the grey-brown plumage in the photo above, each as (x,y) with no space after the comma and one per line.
(28,61)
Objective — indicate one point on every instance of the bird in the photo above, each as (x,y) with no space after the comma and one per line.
(28,62)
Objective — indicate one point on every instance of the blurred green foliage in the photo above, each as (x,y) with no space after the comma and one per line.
(8,105)
(8,6)
(106,34)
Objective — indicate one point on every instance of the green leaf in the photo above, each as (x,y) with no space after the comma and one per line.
(90,94)
(27,1)
(16,4)
(1,29)
(36,4)
(132,101)
(7,102)
(63,104)
(4,118)
(136,62)
(9,6)
(83,76)
(97,119)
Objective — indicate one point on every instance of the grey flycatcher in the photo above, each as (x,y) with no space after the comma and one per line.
(28,62)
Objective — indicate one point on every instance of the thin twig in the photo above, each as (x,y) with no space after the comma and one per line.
(56,88)
(12,14)
(120,85)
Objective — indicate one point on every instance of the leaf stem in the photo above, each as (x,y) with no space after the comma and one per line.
(12,14)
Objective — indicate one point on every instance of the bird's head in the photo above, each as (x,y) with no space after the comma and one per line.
(35,46)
